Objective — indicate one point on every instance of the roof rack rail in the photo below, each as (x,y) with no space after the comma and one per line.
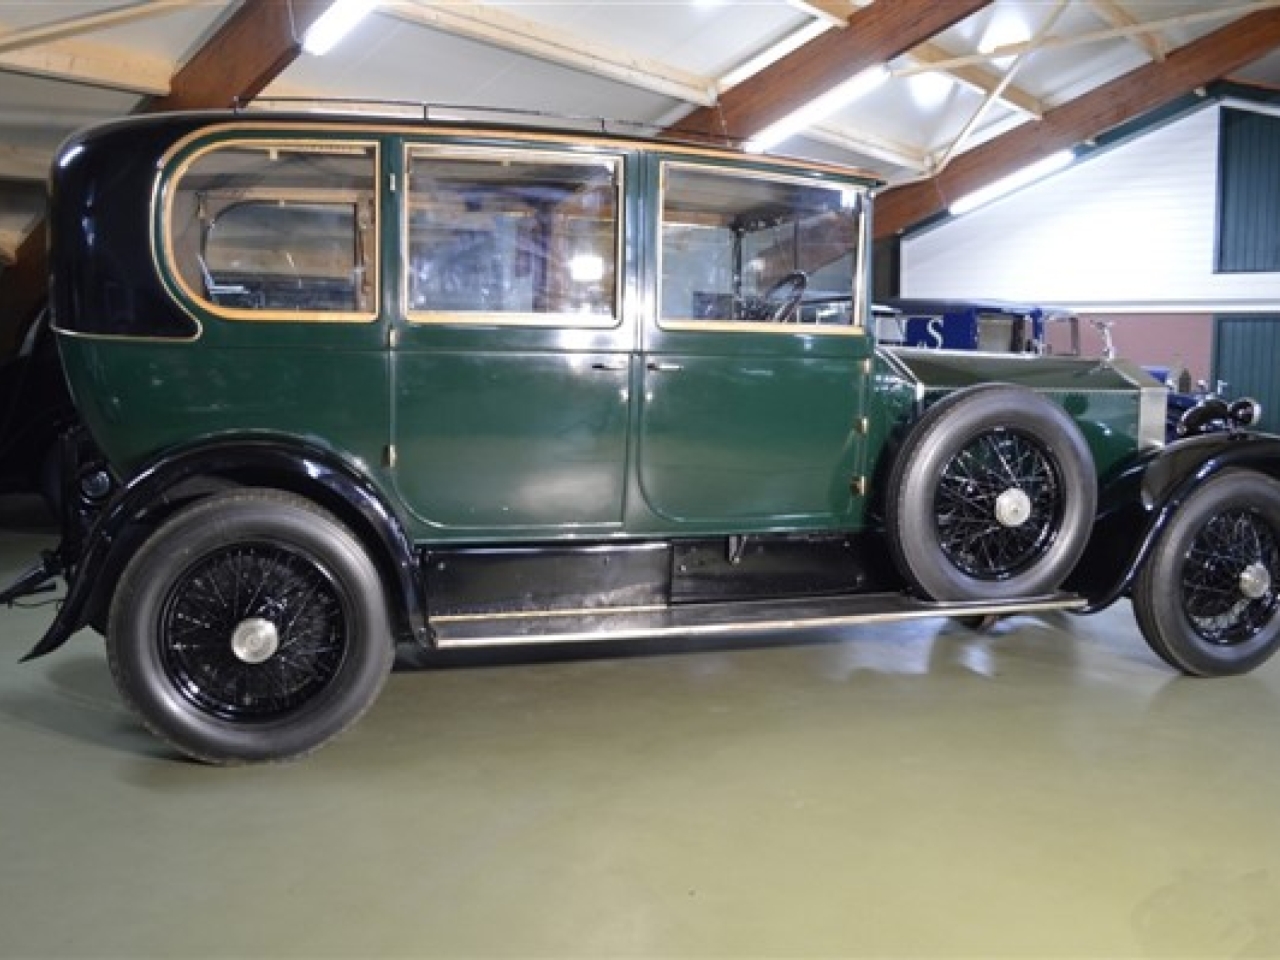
(430,112)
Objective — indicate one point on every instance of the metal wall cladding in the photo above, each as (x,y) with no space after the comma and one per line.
(1248,237)
(1246,350)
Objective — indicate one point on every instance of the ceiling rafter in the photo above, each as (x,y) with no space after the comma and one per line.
(977,77)
(9,243)
(833,12)
(27,164)
(96,64)
(1101,36)
(1113,13)
(1138,92)
(87,23)
(1018,63)
(478,21)
(870,145)
(875,35)
(980,78)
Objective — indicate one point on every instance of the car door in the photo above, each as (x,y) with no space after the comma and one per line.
(512,359)
(756,358)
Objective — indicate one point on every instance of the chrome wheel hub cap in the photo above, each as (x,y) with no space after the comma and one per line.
(255,640)
(1255,581)
(1013,508)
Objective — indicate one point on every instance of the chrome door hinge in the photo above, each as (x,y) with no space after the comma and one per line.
(389,456)
(391,182)
(858,486)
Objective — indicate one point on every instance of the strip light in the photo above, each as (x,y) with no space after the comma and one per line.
(817,109)
(1014,181)
(334,24)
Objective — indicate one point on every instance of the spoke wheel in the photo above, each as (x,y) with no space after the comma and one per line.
(991,497)
(1230,576)
(999,505)
(253,631)
(1208,596)
(250,626)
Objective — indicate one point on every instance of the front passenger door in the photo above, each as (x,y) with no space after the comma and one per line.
(756,362)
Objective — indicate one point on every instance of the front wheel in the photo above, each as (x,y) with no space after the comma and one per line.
(1208,597)
(250,627)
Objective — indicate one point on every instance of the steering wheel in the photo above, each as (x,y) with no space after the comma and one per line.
(791,290)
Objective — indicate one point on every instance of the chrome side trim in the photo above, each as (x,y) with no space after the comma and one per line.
(701,620)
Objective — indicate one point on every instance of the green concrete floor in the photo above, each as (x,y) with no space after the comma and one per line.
(1050,789)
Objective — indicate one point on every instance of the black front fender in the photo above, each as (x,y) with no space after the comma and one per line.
(1137,505)
(285,463)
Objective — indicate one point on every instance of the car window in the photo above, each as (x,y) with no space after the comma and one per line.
(279,230)
(740,248)
(514,237)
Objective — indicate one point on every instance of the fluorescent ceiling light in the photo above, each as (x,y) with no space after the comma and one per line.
(1015,181)
(820,107)
(334,24)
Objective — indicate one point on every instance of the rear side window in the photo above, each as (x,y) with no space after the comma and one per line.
(279,230)
(517,237)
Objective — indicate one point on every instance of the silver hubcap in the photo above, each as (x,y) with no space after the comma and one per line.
(255,640)
(1013,508)
(1255,581)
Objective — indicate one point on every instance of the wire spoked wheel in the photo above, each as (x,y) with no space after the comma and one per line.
(998,505)
(250,626)
(991,496)
(251,632)
(1208,596)
(1230,577)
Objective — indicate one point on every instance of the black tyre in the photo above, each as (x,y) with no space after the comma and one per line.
(251,626)
(1208,597)
(991,497)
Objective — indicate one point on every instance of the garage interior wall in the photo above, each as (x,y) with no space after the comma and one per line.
(1128,234)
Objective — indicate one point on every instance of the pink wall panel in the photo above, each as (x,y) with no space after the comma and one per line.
(1166,340)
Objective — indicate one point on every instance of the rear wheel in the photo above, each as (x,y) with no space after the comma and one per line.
(250,626)
(991,497)
(1208,597)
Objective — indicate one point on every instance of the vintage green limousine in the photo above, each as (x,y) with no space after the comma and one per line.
(346,382)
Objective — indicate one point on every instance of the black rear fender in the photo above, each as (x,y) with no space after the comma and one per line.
(184,476)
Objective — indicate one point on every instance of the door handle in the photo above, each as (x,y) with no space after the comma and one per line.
(613,365)
(659,367)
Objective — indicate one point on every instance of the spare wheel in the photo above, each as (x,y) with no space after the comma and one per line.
(991,497)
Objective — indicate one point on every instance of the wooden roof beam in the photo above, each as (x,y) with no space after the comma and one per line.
(874,35)
(1136,93)
(241,59)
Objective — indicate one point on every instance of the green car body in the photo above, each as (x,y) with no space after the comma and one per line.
(474,384)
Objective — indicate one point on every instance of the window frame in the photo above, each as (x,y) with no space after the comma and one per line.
(858,294)
(337,145)
(499,154)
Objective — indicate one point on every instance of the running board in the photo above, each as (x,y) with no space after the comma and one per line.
(717,619)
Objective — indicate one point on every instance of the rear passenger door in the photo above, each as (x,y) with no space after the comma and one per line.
(512,359)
